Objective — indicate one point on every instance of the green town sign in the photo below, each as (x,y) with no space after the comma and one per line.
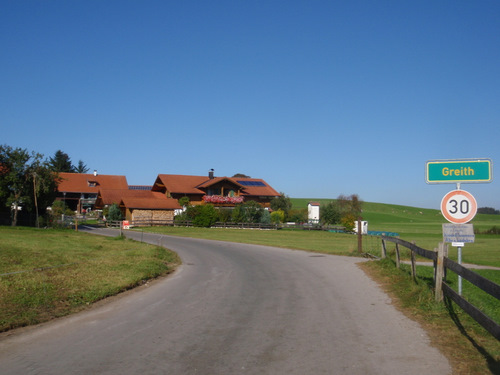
(458,171)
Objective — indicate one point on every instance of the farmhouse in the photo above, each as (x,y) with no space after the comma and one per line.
(82,192)
(219,191)
(79,190)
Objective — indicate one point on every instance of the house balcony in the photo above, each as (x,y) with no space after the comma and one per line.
(90,201)
(221,200)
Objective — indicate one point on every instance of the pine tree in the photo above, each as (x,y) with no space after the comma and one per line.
(61,162)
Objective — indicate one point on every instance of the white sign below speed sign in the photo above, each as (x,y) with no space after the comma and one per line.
(459,206)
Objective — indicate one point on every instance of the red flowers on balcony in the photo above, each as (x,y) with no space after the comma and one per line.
(219,199)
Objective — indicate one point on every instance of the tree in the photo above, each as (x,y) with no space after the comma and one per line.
(61,162)
(240,175)
(350,209)
(184,201)
(114,213)
(20,169)
(330,213)
(350,204)
(283,203)
(44,187)
(81,168)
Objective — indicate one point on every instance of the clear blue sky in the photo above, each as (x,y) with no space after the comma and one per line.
(319,98)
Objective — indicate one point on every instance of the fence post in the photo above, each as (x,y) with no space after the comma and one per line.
(398,257)
(440,272)
(413,264)
(384,250)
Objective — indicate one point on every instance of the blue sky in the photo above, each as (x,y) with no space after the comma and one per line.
(319,98)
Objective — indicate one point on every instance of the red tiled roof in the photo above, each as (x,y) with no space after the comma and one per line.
(107,197)
(182,184)
(213,181)
(146,199)
(156,201)
(88,183)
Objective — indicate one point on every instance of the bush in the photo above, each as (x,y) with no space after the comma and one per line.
(238,214)
(347,222)
(298,215)
(277,216)
(59,208)
(266,217)
(253,211)
(114,213)
(54,219)
(225,214)
(206,216)
(248,212)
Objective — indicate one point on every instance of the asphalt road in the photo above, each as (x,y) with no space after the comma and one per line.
(233,309)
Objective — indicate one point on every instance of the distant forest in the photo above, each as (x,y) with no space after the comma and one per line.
(488,210)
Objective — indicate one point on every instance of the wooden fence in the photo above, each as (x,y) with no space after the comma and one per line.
(151,223)
(441,264)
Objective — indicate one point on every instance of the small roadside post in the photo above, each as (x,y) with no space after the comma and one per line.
(458,206)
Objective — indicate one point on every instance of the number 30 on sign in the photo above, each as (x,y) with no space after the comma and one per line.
(459,206)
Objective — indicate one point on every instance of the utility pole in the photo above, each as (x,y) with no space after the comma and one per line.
(36,202)
(360,236)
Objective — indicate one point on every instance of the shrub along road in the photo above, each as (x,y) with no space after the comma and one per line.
(233,308)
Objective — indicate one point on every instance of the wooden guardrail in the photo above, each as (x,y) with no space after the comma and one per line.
(441,264)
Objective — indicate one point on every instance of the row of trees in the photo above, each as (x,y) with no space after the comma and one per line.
(27,180)
(207,215)
(488,210)
(61,162)
(342,211)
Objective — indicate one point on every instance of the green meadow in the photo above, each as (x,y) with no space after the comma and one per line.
(46,273)
(424,227)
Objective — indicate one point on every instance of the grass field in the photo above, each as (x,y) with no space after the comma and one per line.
(424,227)
(50,273)
(65,272)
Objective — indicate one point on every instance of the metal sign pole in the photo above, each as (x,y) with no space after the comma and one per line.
(459,207)
(459,249)
(459,277)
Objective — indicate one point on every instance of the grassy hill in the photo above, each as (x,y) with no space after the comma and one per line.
(424,226)
(396,218)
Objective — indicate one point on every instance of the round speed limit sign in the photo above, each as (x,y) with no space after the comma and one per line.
(459,206)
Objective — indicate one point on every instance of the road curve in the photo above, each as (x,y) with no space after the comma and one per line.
(233,309)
